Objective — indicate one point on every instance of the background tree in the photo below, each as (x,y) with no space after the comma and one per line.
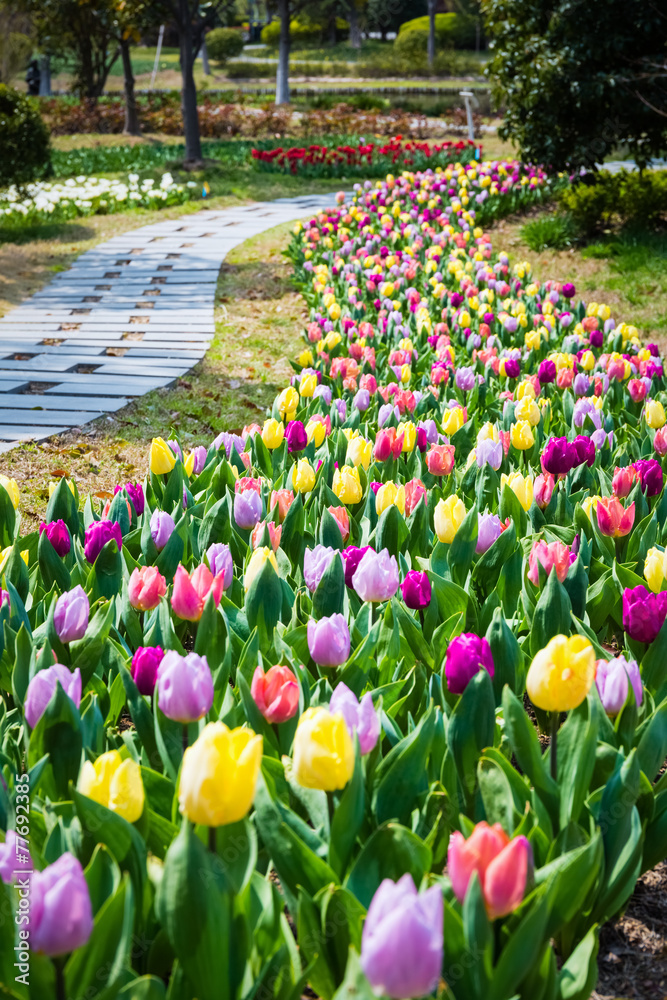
(15,40)
(580,79)
(132,18)
(388,15)
(86,30)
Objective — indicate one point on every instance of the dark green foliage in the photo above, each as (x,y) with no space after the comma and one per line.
(551,232)
(224,44)
(24,141)
(451,31)
(627,197)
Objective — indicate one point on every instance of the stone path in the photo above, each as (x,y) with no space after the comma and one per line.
(131,315)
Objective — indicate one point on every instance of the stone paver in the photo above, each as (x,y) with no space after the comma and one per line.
(131,315)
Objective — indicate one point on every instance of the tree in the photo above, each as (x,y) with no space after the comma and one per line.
(432,4)
(389,15)
(15,42)
(580,79)
(131,19)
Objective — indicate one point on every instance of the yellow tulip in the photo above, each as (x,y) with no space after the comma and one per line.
(114,783)
(527,409)
(409,432)
(288,400)
(12,489)
(525,390)
(306,358)
(219,775)
(587,361)
(654,414)
(521,486)
(561,674)
(452,420)
(533,339)
(5,554)
(347,484)
(589,505)
(257,559)
(655,568)
(388,494)
(303,476)
(162,458)
(316,431)
(308,385)
(273,433)
(522,435)
(448,518)
(359,451)
(323,755)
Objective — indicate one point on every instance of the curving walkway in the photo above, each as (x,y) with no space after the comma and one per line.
(131,315)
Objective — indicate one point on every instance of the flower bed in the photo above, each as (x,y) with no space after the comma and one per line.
(365,158)
(308,664)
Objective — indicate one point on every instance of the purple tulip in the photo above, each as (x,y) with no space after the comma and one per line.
(586,408)
(546,372)
(558,457)
(341,406)
(422,440)
(61,916)
(295,435)
(14,857)
(229,442)
(247,508)
(58,534)
(176,448)
(352,556)
(489,529)
(162,528)
(466,654)
(70,618)
(511,323)
(596,338)
(430,429)
(568,290)
(643,613)
(135,492)
(199,455)
(581,384)
(612,679)
(220,560)
(376,576)
(4,599)
(650,473)
(329,641)
(145,664)
(416,590)
(384,413)
(489,452)
(43,686)
(402,941)
(512,367)
(362,400)
(360,716)
(97,536)
(584,449)
(465,378)
(323,392)
(185,686)
(315,564)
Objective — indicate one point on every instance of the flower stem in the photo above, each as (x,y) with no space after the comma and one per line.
(186,739)
(59,964)
(212,839)
(553,746)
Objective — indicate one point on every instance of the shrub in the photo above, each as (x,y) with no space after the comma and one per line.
(224,44)
(454,30)
(245,69)
(552,232)
(626,197)
(24,140)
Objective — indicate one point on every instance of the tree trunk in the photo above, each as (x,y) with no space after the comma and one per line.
(188,91)
(132,126)
(332,28)
(203,52)
(431,31)
(355,33)
(45,76)
(282,74)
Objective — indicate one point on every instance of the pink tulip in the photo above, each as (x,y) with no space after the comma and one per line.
(543,489)
(613,518)
(623,480)
(440,459)
(637,390)
(414,491)
(549,555)
(146,587)
(660,441)
(276,693)
(191,590)
(502,866)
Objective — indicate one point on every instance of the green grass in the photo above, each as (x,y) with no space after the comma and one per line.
(550,232)
(637,263)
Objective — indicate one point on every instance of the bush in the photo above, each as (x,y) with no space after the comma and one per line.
(451,30)
(24,140)
(395,63)
(553,232)
(224,44)
(244,69)
(303,32)
(627,197)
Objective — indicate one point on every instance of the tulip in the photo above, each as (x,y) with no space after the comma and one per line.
(408,433)
(655,568)
(114,783)
(296,437)
(191,590)
(275,533)
(453,420)
(623,480)
(352,556)
(546,372)
(315,564)
(643,613)
(195,461)
(43,686)
(387,444)
(414,491)
(522,435)
(549,555)
(247,509)
(543,489)
(276,693)
(162,459)
(613,518)
(390,495)
(146,587)
(376,576)
(308,385)
(654,414)
(70,618)
(145,664)
(650,475)
(219,775)
(185,686)
(58,534)
(402,943)
(11,487)
(329,640)
(360,716)
(283,500)
(60,913)
(526,409)
(489,529)
(323,752)
(359,452)
(97,536)
(503,867)
(347,485)
(220,562)
(448,517)
(521,486)
(288,401)
(342,519)
(466,654)
(558,457)
(584,449)
(248,483)
(416,590)
(258,558)
(13,853)
(440,459)
(162,527)
(561,674)
(303,476)
(273,433)
(613,678)
(317,428)
(489,453)
(660,442)
(176,448)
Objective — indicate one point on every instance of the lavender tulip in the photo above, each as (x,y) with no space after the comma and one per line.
(97,536)
(360,716)
(489,452)
(376,576)
(14,857)
(199,455)
(229,442)
(70,618)
(185,686)
(162,527)
(247,508)
(489,529)
(329,641)
(315,564)
(324,393)
(465,378)
(352,556)
(466,654)
(43,686)
(430,429)
(581,384)
(61,916)
(402,941)
(612,679)
(220,560)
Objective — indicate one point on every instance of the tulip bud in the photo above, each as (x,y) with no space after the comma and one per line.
(185,686)
(503,867)
(416,590)
(543,489)
(190,591)
(448,517)
(162,527)
(145,664)
(258,558)
(561,674)
(360,716)
(323,752)
(145,588)
(643,613)
(247,509)
(440,459)
(42,687)
(98,534)
(315,564)
(614,519)
(220,562)
(549,555)
(343,520)
(114,783)
(466,654)
(219,775)
(58,534)
(303,476)
(389,495)
(70,618)
(273,433)
(162,459)
(61,915)
(376,577)
(276,693)
(329,640)
(283,499)
(613,678)
(347,485)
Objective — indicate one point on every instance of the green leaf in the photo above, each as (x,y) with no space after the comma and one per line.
(101,825)
(390,852)
(463,547)
(347,819)
(526,748)
(100,964)
(521,951)
(329,594)
(578,975)
(552,614)
(58,735)
(471,728)
(401,777)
